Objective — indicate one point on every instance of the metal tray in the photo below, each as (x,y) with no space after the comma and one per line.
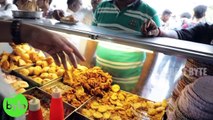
(31,81)
(27,14)
(54,84)
(45,98)
(144,116)
(10,71)
(59,81)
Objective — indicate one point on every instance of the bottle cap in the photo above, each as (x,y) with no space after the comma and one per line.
(34,104)
(56,93)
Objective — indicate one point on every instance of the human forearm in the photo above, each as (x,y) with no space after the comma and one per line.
(26,31)
(168,33)
(151,29)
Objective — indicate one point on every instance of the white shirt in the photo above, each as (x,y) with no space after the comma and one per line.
(6,10)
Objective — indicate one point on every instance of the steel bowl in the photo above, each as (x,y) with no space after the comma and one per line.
(27,14)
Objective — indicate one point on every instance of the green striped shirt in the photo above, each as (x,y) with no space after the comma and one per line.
(124,63)
(130,19)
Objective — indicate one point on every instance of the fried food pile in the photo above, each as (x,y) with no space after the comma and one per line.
(120,105)
(75,96)
(94,80)
(44,71)
(22,55)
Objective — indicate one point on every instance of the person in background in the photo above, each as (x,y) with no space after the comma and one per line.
(165,18)
(185,19)
(122,62)
(94,4)
(6,9)
(28,5)
(44,5)
(198,16)
(73,6)
(88,13)
(201,33)
(54,44)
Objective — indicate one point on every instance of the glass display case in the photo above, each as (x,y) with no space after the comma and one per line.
(165,57)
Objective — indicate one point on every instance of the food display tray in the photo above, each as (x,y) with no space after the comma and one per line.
(144,113)
(11,71)
(31,81)
(45,98)
(53,84)
(59,81)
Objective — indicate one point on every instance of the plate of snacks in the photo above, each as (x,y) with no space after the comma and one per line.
(68,20)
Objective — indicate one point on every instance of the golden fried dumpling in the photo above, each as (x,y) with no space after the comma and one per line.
(45,69)
(44,75)
(60,72)
(37,70)
(31,70)
(52,70)
(24,72)
(38,80)
(52,76)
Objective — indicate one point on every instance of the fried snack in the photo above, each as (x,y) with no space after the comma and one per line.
(120,105)
(75,97)
(115,88)
(22,55)
(69,19)
(44,71)
(94,80)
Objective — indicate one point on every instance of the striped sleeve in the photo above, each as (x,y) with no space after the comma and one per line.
(94,21)
(152,12)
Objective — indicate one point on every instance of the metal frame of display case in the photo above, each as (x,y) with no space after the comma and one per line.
(160,44)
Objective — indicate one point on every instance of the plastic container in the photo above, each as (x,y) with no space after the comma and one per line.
(56,106)
(35,112)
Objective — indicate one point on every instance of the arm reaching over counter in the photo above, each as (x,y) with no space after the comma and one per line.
(201,33)
(52,43)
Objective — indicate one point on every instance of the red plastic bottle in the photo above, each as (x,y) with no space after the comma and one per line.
(56,106)
(35,112)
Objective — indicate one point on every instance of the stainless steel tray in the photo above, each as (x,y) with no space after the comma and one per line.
(55,83)
(27,14)
(143,113)
(11,70)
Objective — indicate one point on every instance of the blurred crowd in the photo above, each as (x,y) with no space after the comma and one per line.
(169,20)
(185,20)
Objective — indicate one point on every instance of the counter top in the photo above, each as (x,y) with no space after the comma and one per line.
(160,44)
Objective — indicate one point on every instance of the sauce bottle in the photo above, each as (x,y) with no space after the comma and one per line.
(56,106)
(35,112)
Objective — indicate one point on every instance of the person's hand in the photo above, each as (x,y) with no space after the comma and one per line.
(149,28)
(54,44)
